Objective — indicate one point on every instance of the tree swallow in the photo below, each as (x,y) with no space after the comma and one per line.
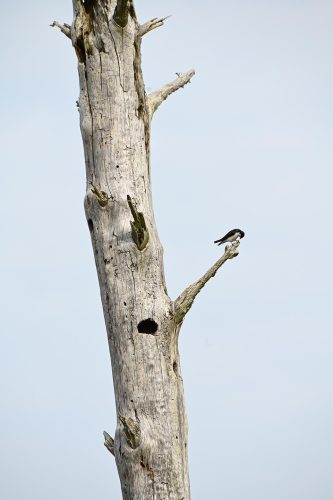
(233,235)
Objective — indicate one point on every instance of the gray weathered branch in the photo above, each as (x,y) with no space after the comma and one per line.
(120,15)
(156,98)
(184,302)
(152,24)
(64,28)
(140,233)
(108,442)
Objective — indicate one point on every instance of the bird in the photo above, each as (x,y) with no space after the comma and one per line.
(231,236)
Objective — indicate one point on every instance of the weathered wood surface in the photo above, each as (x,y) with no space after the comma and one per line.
(150,442)
(142,322)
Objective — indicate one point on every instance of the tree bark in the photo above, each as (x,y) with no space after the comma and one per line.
(142,322)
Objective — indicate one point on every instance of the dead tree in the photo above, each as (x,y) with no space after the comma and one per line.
(142,322)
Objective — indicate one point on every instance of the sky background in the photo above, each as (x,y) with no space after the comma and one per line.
(247,144)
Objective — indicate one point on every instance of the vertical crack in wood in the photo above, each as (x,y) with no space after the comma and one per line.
(140,233)
(143,108)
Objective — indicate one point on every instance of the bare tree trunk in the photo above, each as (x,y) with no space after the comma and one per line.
(142,322)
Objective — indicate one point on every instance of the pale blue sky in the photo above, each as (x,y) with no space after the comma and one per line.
(248,144)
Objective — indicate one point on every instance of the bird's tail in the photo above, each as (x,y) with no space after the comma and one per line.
(219,242)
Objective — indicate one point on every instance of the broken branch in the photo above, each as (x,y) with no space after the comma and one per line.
(108,442)
(120,15)
(152,24)
(184,302)
(102,196)
(140,233)
(156,98)
(64,28)
(132,431)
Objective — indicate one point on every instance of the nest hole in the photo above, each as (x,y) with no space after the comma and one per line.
(148,326)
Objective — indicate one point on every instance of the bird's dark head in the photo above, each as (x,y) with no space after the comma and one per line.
(242,234)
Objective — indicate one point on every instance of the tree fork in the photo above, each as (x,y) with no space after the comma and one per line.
(142,322)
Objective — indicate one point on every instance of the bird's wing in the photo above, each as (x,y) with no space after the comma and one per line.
(225,237)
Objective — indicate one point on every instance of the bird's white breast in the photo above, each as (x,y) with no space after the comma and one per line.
(234,237)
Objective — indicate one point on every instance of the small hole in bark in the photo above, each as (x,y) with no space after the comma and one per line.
(90,225)
(148,326)
(175,367)
(125,304)
(117,166)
